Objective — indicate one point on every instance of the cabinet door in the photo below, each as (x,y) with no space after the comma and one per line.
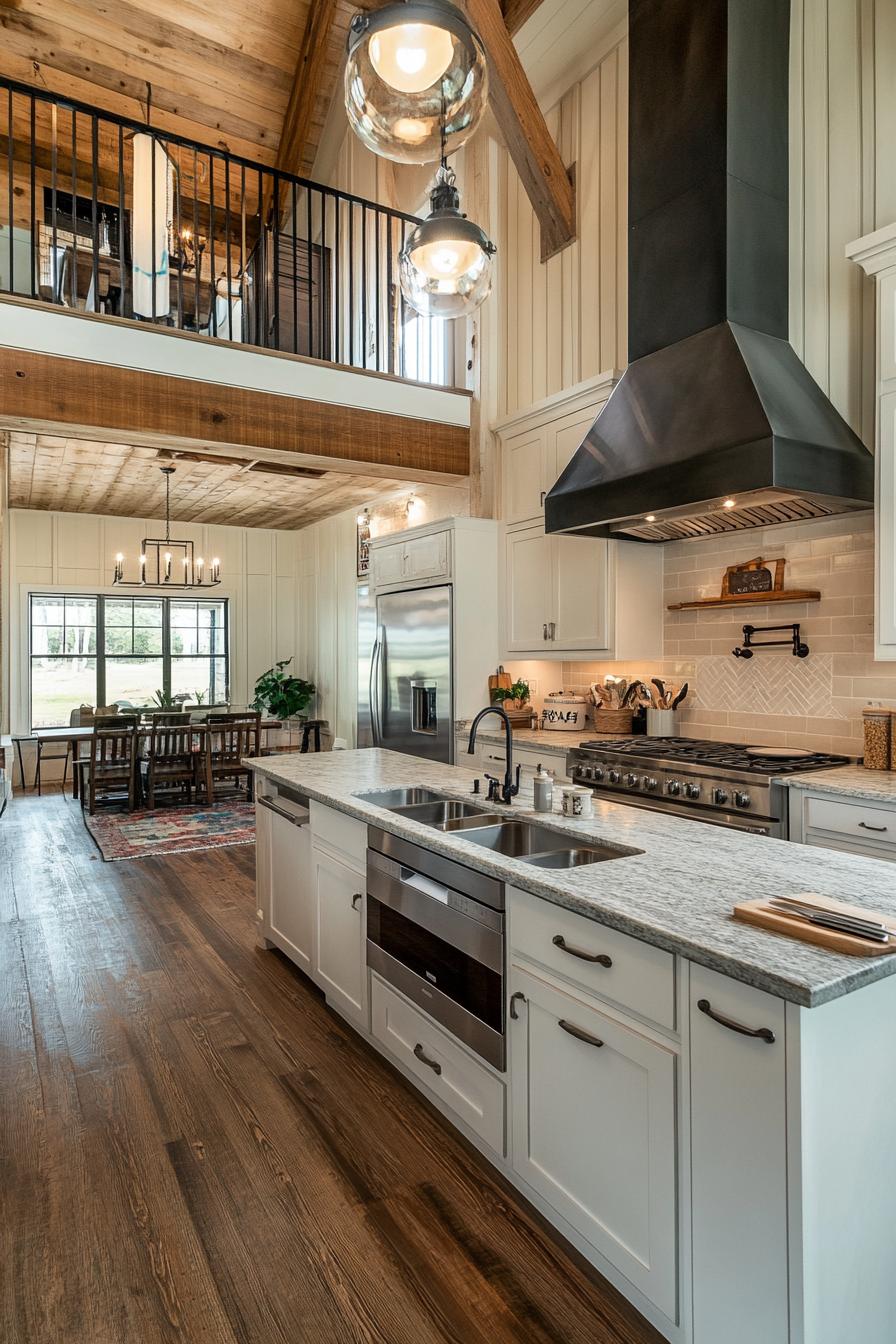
(290,886)
(339,932)
(426,557)
(738,1165)
(593,1115)
(885,633)
(529,582)
(525,476)
(566,435)
(387,563)
(582,595)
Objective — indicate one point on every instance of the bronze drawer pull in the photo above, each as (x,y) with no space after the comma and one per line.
(600,957)
(358,896)
(865,827)
(763,1033)
(514,999)
(424,1059)
(579,1034)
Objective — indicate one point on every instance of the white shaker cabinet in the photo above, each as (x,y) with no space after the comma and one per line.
(593,1122)
(284,881)
(876,254)
(738,1163)
(339,915)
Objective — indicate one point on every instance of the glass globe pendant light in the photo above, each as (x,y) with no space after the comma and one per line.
(414,70)
(445,266)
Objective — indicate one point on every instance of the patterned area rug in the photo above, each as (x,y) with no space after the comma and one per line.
(171,830)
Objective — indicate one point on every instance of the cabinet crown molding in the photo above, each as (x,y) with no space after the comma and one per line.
(581,395)
(875,252)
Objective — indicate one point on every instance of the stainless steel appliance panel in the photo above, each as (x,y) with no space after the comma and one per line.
(411,693)
(366,649)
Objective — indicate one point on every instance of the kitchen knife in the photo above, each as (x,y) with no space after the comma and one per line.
(837,923)
(802,904)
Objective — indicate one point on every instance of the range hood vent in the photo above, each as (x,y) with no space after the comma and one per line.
(716,425)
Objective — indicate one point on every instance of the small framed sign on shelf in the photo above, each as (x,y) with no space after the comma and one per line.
(753,581)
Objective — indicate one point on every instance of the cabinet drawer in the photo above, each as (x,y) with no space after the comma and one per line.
(859,820)
(639,977)
(345,834)
(458,1080)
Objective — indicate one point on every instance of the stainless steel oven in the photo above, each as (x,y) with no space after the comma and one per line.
(435,930)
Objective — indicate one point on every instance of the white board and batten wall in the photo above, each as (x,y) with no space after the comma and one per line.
(74,553)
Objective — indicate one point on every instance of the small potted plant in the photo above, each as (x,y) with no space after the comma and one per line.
(515,699)
(281,695)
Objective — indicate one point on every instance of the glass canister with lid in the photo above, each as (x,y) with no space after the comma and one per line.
(877,723)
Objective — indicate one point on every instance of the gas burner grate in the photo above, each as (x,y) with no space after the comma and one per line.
(720,755)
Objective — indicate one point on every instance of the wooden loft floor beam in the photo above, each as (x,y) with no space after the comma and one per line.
(520,120)
(91,400)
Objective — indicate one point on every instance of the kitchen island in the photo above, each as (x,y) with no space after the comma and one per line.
(692,1127)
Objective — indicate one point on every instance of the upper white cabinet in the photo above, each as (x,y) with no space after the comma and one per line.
(569,594)
(876,254)
(415,558)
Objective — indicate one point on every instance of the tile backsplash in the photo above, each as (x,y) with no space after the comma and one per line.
(773,698)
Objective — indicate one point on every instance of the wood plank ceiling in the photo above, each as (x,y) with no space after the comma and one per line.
(83,476)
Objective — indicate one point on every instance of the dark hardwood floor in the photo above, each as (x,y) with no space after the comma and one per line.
(194,1148)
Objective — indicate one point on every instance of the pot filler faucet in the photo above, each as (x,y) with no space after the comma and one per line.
(510,789)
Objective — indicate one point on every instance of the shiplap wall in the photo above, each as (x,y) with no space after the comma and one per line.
(58,552)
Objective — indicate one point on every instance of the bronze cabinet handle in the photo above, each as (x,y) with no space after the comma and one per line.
(579,1034)
(600,958)
(424,1059)
(865,827)
(514,1000)
(358,896)
(763,1033)
(545,630)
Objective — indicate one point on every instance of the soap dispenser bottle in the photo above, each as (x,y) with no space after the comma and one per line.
(544,790)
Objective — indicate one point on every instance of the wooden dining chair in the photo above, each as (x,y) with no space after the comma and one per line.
(169,760)
(228,739)
(112,764)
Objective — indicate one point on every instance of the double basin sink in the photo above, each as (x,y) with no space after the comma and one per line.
(525,840)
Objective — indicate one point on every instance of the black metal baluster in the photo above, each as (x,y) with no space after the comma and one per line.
(337,270)
(74,209)
(33,195)
(121,274)
(94,218)
(351,282)
(402,316)
(275,239)
(152,229)
(11,193)
(178,240)
(365,343)
(197,254)
(261,267)
(54,130)
(295,275)
(390,310)
(323,306)
(311,349)
(213,321)
(227,245)
(244,292)
(378,219)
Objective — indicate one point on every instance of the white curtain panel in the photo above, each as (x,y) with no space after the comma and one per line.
(149,226)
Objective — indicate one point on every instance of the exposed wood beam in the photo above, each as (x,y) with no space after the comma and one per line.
(306,86)
(96,401)
(517,12)
(525,132)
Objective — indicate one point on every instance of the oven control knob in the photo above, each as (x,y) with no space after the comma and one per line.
(648,783)
(615,776)
(585,771)
(742,799)
(632,781)
(598,772)
(673,788)
(692,790)
(720,797)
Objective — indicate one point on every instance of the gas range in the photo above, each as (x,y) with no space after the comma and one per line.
(719,782)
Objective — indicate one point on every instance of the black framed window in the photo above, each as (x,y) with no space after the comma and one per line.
(98,650)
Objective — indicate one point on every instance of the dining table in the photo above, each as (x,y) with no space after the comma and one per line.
(74,735)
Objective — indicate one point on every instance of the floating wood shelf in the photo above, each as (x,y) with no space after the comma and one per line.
(750,599)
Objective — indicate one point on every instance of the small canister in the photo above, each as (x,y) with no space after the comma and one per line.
(893,739)
(577,801)
(544,790)
(877,724)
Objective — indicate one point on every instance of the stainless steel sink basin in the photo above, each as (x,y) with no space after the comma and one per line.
(443,812)
(575,858)
(390,798)
(540,846)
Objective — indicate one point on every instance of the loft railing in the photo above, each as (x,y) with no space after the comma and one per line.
(107,215)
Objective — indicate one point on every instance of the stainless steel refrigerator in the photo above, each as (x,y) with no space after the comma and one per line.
(405,700)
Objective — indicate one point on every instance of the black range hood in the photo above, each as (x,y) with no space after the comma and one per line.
(716,424)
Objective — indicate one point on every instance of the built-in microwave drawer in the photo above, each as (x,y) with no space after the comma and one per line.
(633,974)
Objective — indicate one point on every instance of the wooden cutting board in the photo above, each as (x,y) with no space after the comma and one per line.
(760,914)
(499,681)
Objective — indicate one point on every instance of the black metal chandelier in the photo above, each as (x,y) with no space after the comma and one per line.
(166,562)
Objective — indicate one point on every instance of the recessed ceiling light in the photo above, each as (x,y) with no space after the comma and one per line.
(728,503)
(650,518)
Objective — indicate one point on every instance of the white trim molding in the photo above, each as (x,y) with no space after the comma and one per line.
(575,398)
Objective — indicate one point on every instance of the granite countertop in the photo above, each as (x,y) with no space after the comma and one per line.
(853,780)
(553,740)
(677,894)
